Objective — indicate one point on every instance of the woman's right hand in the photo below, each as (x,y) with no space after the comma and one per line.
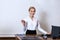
(23,22)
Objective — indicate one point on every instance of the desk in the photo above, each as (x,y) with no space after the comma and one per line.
(28,37)
(23,37)
(32,37)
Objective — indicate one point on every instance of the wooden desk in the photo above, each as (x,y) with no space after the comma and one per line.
(28,37)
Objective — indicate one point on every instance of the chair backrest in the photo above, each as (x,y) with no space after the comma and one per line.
(55,31)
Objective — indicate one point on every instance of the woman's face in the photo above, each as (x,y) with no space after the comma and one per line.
(32,12)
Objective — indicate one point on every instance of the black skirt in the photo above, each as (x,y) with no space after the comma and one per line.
(31,32)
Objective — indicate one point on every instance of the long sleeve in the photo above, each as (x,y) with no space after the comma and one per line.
(40,29)
(25,24)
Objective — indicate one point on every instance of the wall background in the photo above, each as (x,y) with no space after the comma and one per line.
(12,11)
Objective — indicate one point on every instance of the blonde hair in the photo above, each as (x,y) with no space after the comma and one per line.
(32,8)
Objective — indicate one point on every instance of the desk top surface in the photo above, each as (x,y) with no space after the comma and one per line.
(30,37)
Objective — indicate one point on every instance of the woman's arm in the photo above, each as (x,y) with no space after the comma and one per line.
(40,29)
(24,24)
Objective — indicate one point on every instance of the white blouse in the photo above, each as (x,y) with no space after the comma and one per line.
(33,24)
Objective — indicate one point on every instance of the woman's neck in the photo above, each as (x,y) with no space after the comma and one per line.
(31,17)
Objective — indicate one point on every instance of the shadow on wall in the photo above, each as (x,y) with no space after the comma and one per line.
(44,21)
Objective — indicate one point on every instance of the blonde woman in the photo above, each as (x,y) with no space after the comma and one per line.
(31,23)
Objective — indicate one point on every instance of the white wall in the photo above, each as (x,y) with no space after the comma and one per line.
(12,11)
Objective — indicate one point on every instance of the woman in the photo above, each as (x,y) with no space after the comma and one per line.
(31,23)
